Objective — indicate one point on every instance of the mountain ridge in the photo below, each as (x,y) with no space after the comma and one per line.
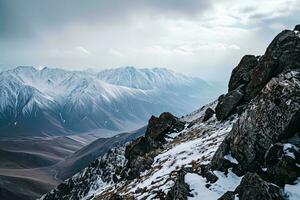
(65,102)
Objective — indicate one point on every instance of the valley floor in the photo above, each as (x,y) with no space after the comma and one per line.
(26,163)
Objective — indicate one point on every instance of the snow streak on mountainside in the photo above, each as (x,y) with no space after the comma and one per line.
(55,101)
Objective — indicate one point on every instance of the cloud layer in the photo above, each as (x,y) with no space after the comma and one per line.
(199,37)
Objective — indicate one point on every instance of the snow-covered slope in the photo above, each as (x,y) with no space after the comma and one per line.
(192,146)
(81,101)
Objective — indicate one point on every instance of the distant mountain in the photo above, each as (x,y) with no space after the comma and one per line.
(146,78)
(57,102)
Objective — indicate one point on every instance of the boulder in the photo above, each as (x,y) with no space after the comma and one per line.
(208,174)
(253,187)
(208,114)
(297,27)
(140,152)
(282,163)
(241,73)
(159,127)
(227,103)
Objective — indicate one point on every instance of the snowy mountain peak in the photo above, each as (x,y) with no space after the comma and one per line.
(143,78)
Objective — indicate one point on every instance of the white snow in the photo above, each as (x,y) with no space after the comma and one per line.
(231,159)
(183,154)
(96,188)
(224,183)
(293,191)
(286,150)
(197,185)
(197,114)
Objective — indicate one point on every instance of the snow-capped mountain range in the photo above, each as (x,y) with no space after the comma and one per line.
(55,101)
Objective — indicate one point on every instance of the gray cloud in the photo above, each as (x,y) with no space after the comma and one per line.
(25,18)
(198,37)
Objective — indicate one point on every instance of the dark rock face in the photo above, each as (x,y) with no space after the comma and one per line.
(253,187)
(140,153)
(241,73)
(297,27)
(180,190)
(229,195)
(208,174)
(265,139)
(282,55)
(208,114)
(228,103)
(272,116)
(282,164)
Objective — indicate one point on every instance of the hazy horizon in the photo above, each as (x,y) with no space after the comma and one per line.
(201,38)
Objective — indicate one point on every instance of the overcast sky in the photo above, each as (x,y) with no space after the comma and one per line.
(203,38)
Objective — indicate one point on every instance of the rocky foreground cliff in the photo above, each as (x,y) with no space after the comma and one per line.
(243,146)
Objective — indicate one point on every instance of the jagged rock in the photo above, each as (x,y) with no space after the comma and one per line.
(155,135)
(208,114)
(138,152)
(180,190)
(241,73)
(227,103)
(253,187)
(272,116)
(281,55)
(159,127)
(297,27)
(208,174)
(282,164)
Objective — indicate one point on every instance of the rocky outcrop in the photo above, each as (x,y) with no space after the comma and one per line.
(282,163)
(180,190)
(227,103)
(253,73)
(241,73)
(271,117)
(283,54)
(208,114)
(140,153)
(264,143)
(253,187)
